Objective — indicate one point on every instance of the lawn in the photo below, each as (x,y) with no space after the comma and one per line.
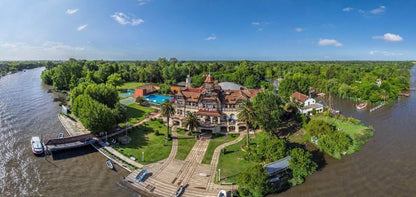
(358,132)
(137,113)
(180,131)
(216,140)
(231,165)
(144,139)
(131,85)
(184,147)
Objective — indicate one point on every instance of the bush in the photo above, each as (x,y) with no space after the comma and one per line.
(157,132)
(317,126)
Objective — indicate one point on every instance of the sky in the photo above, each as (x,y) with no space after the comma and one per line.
(207,29)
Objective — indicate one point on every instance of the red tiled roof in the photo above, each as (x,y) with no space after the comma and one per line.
(299,97)
(208,113)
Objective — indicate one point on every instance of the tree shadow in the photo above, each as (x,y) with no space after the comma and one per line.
(287,127)
(70,153)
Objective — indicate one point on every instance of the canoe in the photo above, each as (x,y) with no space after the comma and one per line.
(361,106)
(109,164)
(141,174)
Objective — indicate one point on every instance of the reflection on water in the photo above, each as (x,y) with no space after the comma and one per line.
(27,109)
(385,166)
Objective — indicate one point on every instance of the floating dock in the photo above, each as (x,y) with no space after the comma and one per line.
(69,142)
(377,107)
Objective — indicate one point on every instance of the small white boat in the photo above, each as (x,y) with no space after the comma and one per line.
(61,135)
(222,193)
(109,164)
(37,147)
(361,106)
(179,191)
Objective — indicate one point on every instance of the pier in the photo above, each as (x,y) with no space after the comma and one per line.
(377,107)
(69,142)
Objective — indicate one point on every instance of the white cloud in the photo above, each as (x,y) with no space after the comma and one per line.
(378,10)
(143,2)
(385,53)
(212,37)
(347,9)
(71,11)
(298,29)
(124,19)
(80,28)
(259,29)
(329,42)
(255,23)
(389,37)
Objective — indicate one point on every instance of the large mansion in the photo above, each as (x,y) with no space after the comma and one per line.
(215,107)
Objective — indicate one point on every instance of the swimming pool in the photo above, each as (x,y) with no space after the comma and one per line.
(157,99)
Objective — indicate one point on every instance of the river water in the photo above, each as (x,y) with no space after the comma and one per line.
(26,110)
(385,166)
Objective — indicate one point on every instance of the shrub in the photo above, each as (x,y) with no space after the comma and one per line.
(157,132)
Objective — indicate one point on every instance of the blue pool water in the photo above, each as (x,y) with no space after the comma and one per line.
(157,99)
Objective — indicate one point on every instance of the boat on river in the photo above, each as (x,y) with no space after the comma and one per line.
(37,147)
(109,164)
(222,193)
(141,174)
(361,106)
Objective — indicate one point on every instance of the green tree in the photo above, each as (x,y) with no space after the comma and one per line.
(253,182)
(301,163)
(246,114)
(334,142)
(140,100)
(268,110)
(115,80)
(269,148)
(191,122)
(167,111)
(318,126)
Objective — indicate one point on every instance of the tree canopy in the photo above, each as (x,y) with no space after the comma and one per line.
(254,182)
(268,110)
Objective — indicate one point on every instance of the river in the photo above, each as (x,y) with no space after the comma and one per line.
(385,166)
(26,110)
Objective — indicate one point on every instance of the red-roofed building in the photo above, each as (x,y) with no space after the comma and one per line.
(215,108)
(307,104)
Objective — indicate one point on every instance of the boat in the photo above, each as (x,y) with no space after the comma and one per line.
(222,193)
(37,147)
(179,191)
(61,135)
(361,106)
(141,174)
(109,164)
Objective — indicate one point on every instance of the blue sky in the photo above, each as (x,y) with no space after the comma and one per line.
(207,29)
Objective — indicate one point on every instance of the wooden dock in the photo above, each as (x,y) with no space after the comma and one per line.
(69,142)
(377,107)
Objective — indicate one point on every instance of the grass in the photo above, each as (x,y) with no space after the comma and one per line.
(144,139)
(358,132)
(181,131)
(137,113)
(213,144)
(230,164)
(184,147)
(131,85)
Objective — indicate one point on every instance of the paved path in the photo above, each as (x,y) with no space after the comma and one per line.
(216,157)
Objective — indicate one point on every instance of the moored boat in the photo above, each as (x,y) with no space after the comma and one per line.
(109,164)
(37,147)
(179,191)
(361,106)
(222,193)
(141,174)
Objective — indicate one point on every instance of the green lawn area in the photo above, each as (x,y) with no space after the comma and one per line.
(230,164)
(131,85)
(184,147)
(358,132)
(213,144)
(180,131)
(137,113)
(143,139)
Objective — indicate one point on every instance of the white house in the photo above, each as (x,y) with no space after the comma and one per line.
(307,104)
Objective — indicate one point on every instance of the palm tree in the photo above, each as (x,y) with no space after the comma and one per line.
(191,122)
(167,111)
(246,113)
